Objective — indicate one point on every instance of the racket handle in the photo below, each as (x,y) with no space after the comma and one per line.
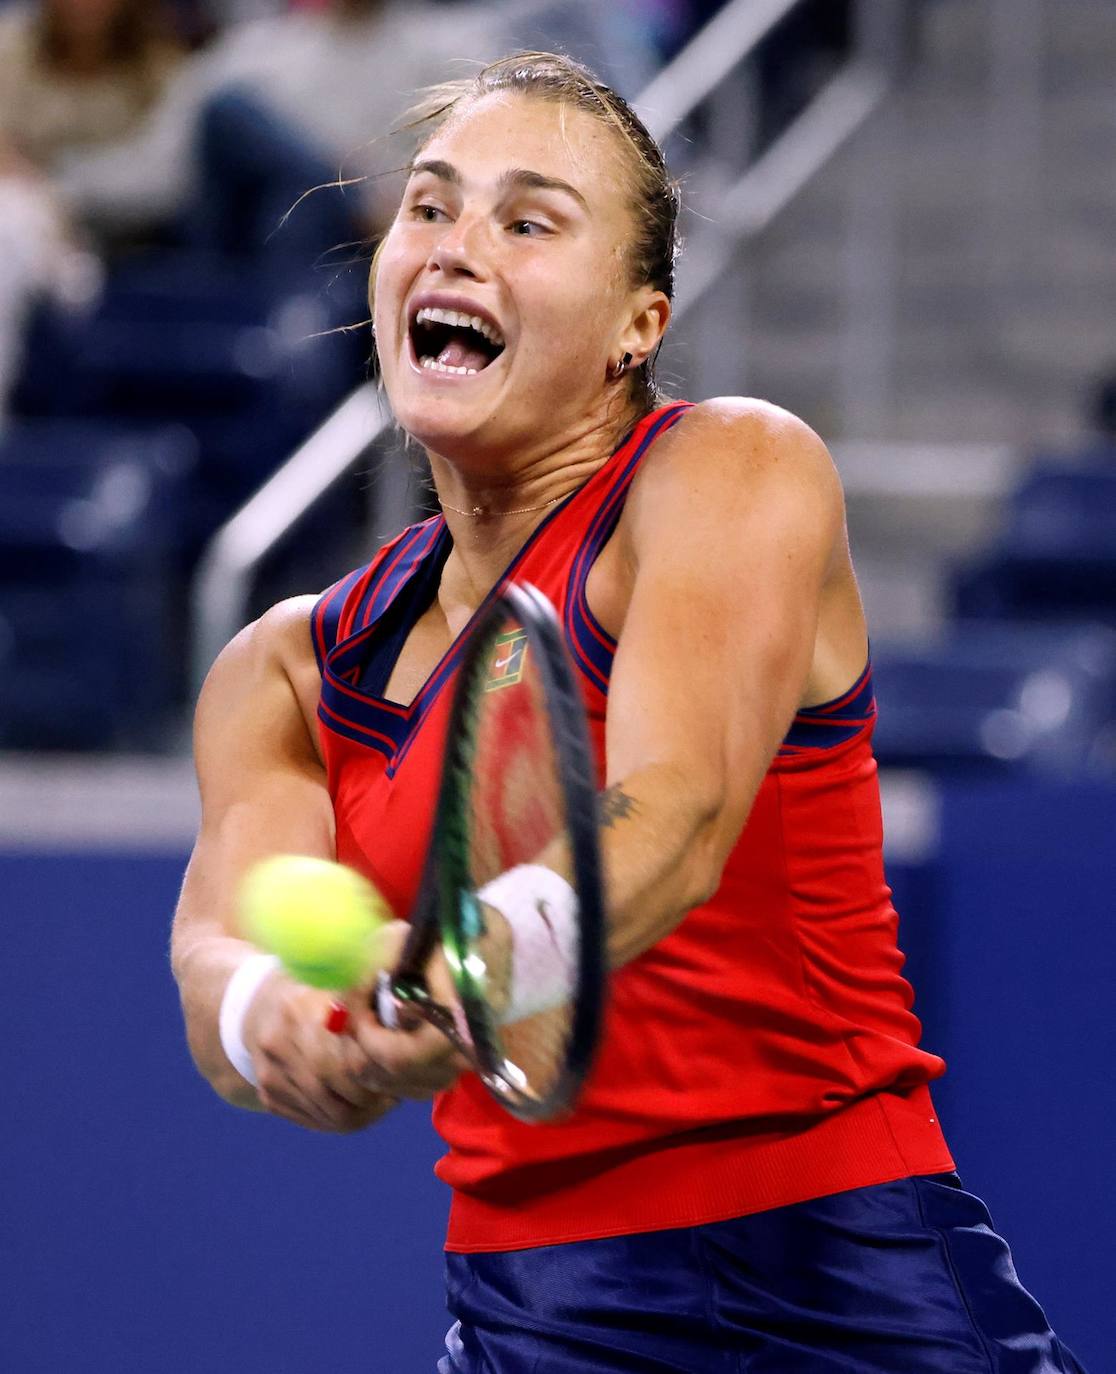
(384,1000)
(337,1018)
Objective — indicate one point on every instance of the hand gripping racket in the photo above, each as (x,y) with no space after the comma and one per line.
(518,786)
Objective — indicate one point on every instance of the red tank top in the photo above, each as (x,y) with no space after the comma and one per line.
(765,1051)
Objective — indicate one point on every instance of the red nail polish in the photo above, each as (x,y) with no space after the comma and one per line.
(338,1019)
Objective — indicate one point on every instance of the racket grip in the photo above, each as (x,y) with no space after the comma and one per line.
(337,1018)
(384,1001)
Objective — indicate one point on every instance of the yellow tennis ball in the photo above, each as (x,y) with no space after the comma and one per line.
(319,918)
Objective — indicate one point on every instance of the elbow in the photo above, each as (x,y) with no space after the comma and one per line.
(704,871)
(706,853)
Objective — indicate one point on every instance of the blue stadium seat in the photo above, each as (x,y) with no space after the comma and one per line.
(143,424)
(250,373)
(999,696)
(1056,555)
(1060,508)
(91,529)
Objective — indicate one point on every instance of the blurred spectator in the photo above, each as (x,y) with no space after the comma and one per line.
(337,74)
(76,74)
(210,149)
(1104,411)
(39,258)
(335,77)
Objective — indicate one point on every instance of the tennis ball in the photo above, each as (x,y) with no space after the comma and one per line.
(319,918)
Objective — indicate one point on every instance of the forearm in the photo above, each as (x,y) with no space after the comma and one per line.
(202,968)
(661,853)
(663,838)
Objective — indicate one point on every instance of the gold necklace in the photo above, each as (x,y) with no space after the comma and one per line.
(482,512)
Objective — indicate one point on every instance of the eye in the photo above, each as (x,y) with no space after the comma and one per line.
(427,214)
(528,228)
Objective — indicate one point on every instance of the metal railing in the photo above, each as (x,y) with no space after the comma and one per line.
(730,37)
(223,581)
(744,208)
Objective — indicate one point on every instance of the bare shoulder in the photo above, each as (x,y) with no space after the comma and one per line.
(263,685)
(735,453)
(740,435)
(277,643)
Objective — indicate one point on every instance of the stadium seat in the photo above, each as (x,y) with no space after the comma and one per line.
(91,531)
(141,424)
(1056,555)
(999,696)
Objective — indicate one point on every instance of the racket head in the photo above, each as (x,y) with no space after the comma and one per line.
(519,777)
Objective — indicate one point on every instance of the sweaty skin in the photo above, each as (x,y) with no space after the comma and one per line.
(727,583)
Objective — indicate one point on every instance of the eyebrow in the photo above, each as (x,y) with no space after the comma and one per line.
(519,178)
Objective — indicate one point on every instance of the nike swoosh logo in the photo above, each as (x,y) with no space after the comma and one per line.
(503,662)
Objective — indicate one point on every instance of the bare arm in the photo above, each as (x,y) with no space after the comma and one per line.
(264,792)
(732,530)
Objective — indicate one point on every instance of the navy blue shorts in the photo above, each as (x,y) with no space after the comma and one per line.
(902,1278)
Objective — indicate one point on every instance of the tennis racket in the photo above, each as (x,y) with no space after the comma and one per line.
(517,786)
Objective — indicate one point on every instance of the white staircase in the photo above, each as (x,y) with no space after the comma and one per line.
(986,196)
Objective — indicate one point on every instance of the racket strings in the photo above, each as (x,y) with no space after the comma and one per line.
(517,816)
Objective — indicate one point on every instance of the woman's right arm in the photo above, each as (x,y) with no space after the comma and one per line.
(263,791)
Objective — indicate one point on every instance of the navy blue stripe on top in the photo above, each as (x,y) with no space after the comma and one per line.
(815,727)
(357,668)
(833,722)
(354,665)
(592,646)
(327,616)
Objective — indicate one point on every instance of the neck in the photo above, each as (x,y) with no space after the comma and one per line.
(491,515)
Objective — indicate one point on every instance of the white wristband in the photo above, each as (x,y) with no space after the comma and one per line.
(542,910)
(239,991)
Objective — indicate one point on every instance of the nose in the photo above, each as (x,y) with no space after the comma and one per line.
(460,250)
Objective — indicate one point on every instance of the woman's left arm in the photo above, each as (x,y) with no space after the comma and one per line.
(733,526)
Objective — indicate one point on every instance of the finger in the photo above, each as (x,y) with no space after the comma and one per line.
(303,1072)
(342,1120)
(352,1087)
(287,1111)
(295,1089)
(327,1070)
(321,1064)
(337,1018)
(414,1063)
(279,1095)
(398,1053)
(295,1068)
(417,1081)
(348,1117)
(362,1070)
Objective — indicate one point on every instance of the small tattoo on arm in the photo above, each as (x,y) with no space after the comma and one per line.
(614,804)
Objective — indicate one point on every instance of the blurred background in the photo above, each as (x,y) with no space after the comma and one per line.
(901,225)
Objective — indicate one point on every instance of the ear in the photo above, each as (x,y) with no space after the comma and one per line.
(646,326)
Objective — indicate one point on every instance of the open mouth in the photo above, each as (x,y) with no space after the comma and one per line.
(451,341)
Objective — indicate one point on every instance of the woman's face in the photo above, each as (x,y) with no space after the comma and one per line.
(515,219)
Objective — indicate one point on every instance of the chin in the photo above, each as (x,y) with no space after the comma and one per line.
(448,415)
(444,424)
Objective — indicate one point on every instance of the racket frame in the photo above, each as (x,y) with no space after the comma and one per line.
(447,910)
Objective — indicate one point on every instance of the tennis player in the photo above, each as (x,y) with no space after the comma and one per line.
(755,1177)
